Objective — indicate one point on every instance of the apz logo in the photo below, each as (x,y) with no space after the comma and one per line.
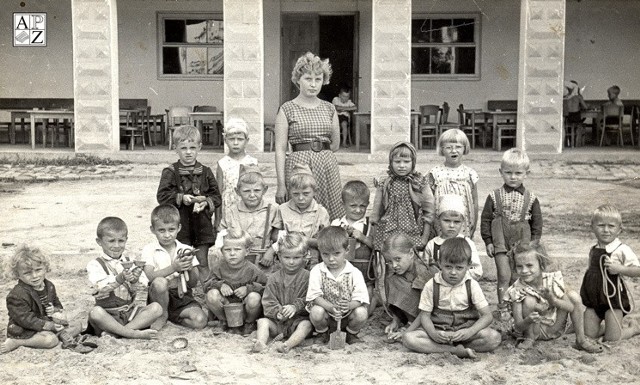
(30,29)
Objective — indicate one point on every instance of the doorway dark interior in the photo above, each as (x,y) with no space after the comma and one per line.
(336,35)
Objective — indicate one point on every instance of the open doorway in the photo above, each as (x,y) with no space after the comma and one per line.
(329,36)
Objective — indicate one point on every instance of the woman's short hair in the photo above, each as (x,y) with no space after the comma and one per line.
(186,133)
(453,135)
(311,64)
(27,256)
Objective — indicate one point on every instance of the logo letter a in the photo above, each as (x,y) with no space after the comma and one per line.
(22,24)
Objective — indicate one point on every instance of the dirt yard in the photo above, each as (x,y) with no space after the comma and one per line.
(61,218)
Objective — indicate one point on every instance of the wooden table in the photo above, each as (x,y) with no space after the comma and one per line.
(473,113)
(21,115)
(365,117)
(595,116)
(198,118)
(497,116)
(45,115)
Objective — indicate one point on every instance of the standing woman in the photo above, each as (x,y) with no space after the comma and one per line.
(311,126)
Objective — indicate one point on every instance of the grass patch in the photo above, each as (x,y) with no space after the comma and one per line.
(77,160)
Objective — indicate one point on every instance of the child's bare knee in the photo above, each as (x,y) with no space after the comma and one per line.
(49,340)
(317,313)
(492,338)
(253,300)
(359,314)
(97,313)
(159,285)
(154,308)
(409,340)
(199,319)
(214,297)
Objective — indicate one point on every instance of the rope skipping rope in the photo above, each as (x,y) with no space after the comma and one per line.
(618,288)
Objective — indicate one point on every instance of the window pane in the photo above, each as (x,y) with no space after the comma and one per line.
(465,60)
(420,31)
(441,30)
(464,30)
(215,31)
(174,31)
(196,31)
(172,63)
(196,59)
(420,60)
(216,61)
(441,59)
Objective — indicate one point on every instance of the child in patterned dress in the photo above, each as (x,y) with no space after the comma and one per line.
(236,136)
(511,215)
(336,288)
(453,177)
(404,202)
(540,302)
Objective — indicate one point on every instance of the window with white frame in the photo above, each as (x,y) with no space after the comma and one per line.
(445,47)
(190,46)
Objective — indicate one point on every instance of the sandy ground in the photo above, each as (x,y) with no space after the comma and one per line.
(61,218)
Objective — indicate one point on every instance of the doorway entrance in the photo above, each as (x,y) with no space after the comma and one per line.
(329,36)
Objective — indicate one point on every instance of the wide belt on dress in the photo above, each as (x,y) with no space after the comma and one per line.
(315,146)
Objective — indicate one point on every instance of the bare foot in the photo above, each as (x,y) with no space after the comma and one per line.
(160,322)
(9,345)
(463,352)
(526,344)
(148,334)
(258,347)
(283,348)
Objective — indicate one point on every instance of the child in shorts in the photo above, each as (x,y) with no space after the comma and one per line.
(283,301)
(192,188)
(115,312)
(171,269)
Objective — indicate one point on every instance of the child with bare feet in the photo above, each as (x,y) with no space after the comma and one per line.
(34,306)
(234,279)
(283,301)
(171,269)
(541,304)
(455,313)
(114,277)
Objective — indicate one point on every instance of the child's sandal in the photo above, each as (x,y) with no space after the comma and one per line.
(589,346)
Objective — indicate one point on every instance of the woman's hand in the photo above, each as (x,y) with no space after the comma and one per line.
(281,195)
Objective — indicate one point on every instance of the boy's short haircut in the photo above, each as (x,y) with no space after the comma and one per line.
(28,256)
(515,157)
(398,242)
(615,89)
(455,250)
(355,189)
(237,234)
(186,133)
(333,238)
(250,178)
(111,224)
(607,212)
(301,181)
(453,135)
(165,214)
(295,243)
(236,126)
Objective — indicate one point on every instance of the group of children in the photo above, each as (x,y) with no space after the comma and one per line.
(295,273)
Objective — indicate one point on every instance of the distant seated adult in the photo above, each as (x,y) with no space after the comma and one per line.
(344,106)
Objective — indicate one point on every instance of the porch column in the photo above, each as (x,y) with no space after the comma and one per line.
(243,67)
(542,29)
(95,75)
(390,73)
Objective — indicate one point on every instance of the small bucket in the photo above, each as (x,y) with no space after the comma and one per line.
(234,312)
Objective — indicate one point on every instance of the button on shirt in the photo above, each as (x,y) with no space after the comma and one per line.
(155,255)
(452,298)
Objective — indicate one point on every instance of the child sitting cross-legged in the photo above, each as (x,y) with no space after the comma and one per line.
(540,302)
(336,288)
(233,279)
(35,319)
(283,301)
(455,314)
(115,312)
(172,270)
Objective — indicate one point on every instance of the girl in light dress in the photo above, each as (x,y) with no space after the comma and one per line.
(236,137)
(453,177)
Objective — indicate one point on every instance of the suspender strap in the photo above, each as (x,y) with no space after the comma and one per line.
(467,283)
(525,205)
(497,195)
(365,228)
(104,265)
(436,295)
(267,227)
(176,175)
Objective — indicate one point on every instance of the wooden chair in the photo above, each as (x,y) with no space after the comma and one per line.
(270,134)
(133,128)
(208,127)
(428,128)
(443,122)
(612,115)
(176,116)
(473,133)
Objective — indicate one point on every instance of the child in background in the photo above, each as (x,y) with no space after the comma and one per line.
(192,188)
(283,301)
(34,307)
(540,303)
(336,289)
(344,105)
(251,214)
(302,213)
(404,202)
(511,215)
(236,136)
(613,93)
(453,177)
(404,284)
(612,260)
(451,219)
(573,104)
(234,279)
(172,271)
(455,313)
(115,312)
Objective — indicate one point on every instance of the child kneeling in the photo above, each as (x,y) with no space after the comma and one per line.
(283,299)
(336,288)
(454,314)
